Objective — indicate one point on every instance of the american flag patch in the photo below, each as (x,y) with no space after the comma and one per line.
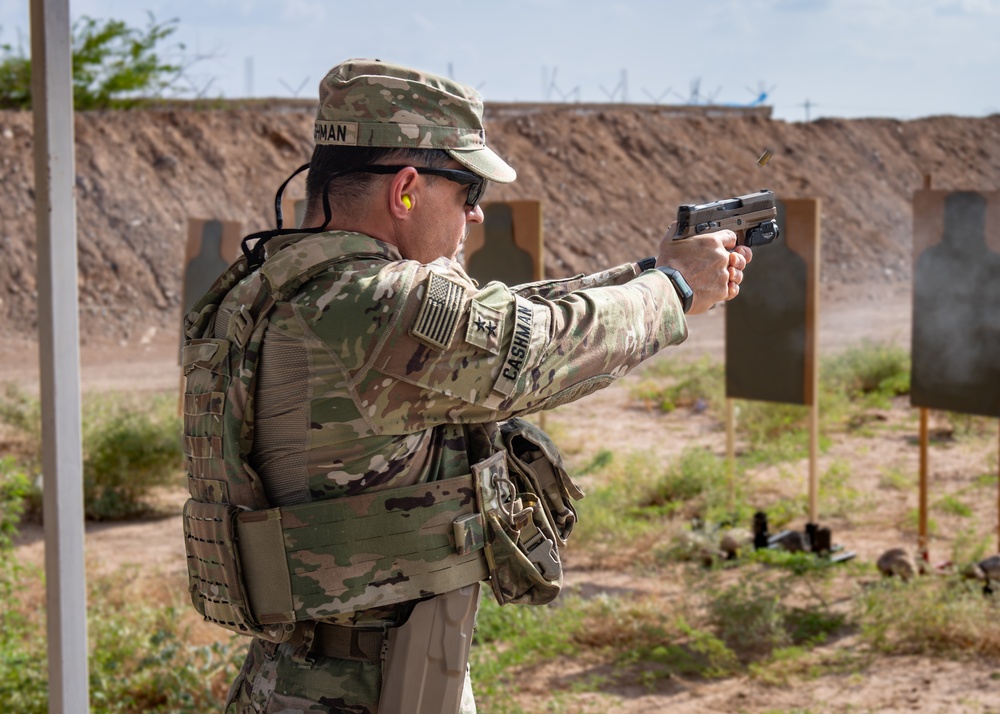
(438,316)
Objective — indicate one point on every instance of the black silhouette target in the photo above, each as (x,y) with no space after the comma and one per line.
(212,245)
(956,302)
(770,326)
(508,245)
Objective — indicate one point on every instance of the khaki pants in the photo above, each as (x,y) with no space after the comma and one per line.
(271,682)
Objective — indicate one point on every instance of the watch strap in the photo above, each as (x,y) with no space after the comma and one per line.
(684,291)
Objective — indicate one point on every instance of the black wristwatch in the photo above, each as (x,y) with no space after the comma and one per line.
(684,291)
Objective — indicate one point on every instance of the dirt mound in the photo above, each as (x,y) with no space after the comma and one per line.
(610,180)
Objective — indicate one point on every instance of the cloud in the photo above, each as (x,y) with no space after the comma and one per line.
(801,5)
(968,8)
(304,10)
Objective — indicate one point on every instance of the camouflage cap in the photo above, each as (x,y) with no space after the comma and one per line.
(372,103)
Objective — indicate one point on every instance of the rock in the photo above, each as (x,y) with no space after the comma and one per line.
(897,562)
(987,570)
(733,541)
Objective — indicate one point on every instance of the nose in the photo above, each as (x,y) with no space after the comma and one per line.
(474,214)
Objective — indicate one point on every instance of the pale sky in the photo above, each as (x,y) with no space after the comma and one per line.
(846,58)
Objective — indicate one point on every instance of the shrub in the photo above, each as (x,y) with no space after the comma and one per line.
(129,447)
(879,370)
(754,619)
(14,487)
(697,485)
(114,65)
(127,451)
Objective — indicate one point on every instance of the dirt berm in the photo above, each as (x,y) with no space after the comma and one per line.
(610,179)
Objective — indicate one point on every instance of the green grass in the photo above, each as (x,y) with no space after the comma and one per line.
(838,497)
(910,523)
(141,659)
(970,545)
(897,479)
(669,384)
(762,625)
(864,377)
(605,514)
(929,616)
(696,485)
(952,505)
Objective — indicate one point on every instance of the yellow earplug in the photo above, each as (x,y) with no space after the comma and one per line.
(407,202)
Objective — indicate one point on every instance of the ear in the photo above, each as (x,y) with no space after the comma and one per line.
(404,183)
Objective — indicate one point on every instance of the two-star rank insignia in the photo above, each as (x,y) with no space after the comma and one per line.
(489,328)
(485,327)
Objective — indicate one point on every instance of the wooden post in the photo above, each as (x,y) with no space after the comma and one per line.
(731,449)
(812,348)
(922,535)
(922,539)
(814,462)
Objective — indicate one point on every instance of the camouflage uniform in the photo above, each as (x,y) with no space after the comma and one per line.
(357,390)
(368,372)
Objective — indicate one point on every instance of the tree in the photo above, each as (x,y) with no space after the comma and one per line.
(114,65)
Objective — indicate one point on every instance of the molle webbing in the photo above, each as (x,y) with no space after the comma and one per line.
(317,559)
(255,569)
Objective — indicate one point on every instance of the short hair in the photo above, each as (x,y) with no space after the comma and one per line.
(330,171)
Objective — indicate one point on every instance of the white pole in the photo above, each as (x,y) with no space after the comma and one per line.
(59,356)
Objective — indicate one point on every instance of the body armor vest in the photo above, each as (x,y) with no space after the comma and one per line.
(246,558)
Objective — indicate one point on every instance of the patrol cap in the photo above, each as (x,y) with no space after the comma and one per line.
(365,102)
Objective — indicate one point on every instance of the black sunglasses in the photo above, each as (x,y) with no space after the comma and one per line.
(475,182)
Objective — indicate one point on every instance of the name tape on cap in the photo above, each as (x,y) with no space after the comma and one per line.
(336,133)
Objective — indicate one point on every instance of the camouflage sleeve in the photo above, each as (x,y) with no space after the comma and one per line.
(458,354)
(552,289)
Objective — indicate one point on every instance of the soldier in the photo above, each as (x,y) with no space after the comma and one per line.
(365,362)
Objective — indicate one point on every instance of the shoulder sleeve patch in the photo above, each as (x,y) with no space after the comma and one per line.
(438,317)
(485,327)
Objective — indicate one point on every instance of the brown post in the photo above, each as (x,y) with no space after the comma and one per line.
(812,351)
(731,449)
(922,536)
(922,539)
